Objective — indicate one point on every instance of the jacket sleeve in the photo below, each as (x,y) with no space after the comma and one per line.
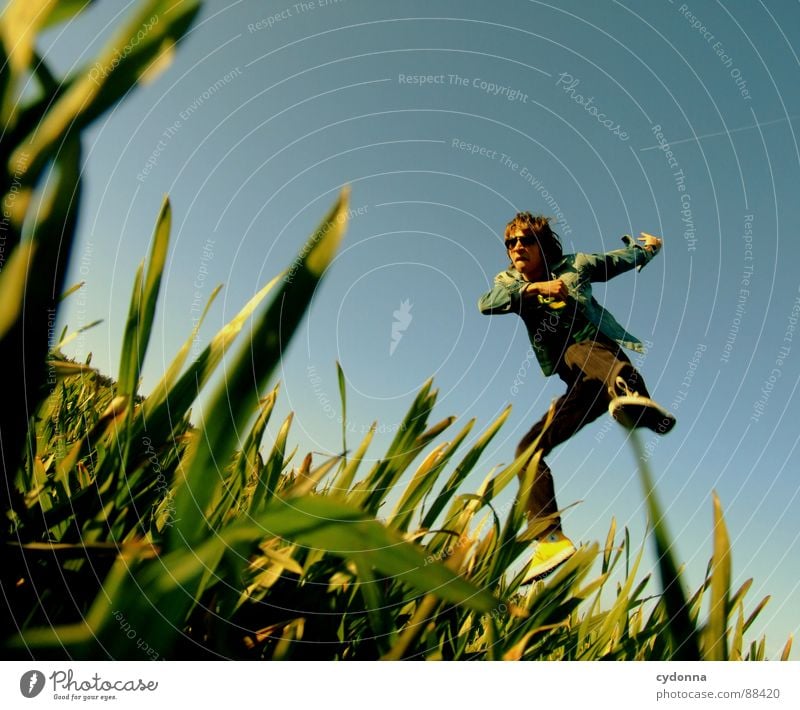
(503,298)
(602,267)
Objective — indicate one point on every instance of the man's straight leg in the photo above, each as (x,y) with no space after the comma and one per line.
(590,369)
(583,402)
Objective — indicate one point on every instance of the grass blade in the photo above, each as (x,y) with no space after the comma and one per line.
(249,375)
(152,31)
(683,634)
(143,306)
(13,281)
(343,397)
(717,630)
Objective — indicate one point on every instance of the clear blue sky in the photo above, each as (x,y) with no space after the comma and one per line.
(568,109)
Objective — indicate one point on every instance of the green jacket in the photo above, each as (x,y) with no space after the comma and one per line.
(577,271)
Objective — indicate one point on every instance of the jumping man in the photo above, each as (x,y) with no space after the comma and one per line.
(578,340)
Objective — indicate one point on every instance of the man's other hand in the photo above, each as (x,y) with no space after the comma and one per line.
(650,242)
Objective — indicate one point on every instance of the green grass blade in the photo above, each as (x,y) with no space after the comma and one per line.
(67,339)
(250,373)
(320,522)
(65,10)
(141,44)
(340,486)
(162,388)
(716,634)
(306,482)
(143,306)
(375,604)
(72,289)
(412,631)
(20,22)
(236,496)
(759,608)
(157,411)
(683,633)
(463,469)
(609,546)
(13,283)
(52,229)
(423,479)
(343,397)
(405,447)
(267,486)
(787,649)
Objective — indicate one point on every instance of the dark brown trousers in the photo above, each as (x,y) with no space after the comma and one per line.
(590,369)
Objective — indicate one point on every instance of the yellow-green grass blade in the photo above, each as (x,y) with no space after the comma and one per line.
(140,44)
(617,616)
(415,626)
(7,100)
(24,348)
(65,10)
(511,472)
(759,608)
(405,447)
(158,411)
(233,499)
(737,639)
(67,339)
(306,482)
(716,647)
(143,305)
(553,601)
(20,22)
(13,282)
(72,289)
(509,547)
(320,522)
(685,645)
(449,452)
(424,477)
(374,602)
(463,469)
(340,486)
(787,649)
(609,546)
(269,476)
(248,376)
(343,398)
(740,593)
(696,600)
(248,464)
(162,389)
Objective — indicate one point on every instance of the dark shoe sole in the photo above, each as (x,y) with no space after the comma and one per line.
(633,413)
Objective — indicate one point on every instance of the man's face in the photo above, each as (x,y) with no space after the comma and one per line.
(527,259)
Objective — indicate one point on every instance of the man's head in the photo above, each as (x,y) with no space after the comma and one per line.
(532,246)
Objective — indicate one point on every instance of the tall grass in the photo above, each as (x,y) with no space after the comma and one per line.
(131,533)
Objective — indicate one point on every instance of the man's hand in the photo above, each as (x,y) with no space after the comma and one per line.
(549,289)
(651,243)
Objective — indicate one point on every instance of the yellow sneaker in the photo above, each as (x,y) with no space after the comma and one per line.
(549,553)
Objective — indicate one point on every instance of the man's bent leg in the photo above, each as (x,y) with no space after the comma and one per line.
(628,400)
(603,361)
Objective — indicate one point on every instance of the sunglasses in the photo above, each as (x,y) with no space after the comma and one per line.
(526,241)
